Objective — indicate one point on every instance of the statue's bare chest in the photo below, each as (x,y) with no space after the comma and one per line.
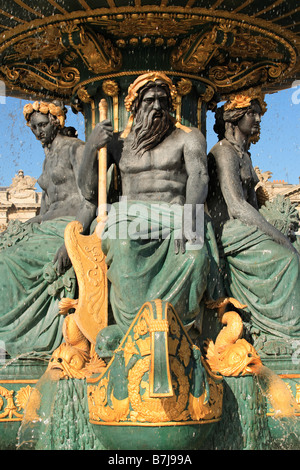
(164,157)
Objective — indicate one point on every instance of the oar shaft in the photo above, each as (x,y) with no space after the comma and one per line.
(102,169)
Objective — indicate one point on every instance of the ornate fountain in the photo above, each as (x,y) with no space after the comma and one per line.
(81,53)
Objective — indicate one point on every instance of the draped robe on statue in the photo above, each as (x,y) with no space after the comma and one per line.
(30,287)
(143,266)
(265,276)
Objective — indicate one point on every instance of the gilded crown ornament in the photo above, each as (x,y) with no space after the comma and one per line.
(243,100)
(44,108)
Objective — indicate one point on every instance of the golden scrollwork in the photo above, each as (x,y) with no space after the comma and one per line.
(96,52)
(165,25)
(242,46)
(195,51)
(46,45)
(13,402)
(54,78)
(78,35)
(254,46)
(228,77)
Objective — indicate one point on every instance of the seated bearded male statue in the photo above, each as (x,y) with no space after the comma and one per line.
(152,245)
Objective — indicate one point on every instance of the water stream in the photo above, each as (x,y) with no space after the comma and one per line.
(38,412)
(276,391)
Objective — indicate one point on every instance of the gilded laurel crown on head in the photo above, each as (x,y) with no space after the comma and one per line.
(44,108)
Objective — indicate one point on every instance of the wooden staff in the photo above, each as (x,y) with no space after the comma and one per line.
(102,169)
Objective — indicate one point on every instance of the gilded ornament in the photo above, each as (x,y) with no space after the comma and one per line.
(208,95)
(70,361)
(11,409)
(84,96)
(44,108)
(230,355)
(46,45)
(154,410)
(184,86)
(96,52)
(246,39)
(133,366)
(31,399)
(22,397)
(174,325)
(129,350)
(89,264)
(151,24)
(184,351)
(110,87)
(141,328)
(297,398)
(55,78)
(195,51)
(243,99)
(144,346)
(254,46)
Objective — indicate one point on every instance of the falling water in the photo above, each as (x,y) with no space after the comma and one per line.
(56,416)
(276,391)
(38,411)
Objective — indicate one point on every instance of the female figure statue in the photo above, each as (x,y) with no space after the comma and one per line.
(34,266)
(261,266)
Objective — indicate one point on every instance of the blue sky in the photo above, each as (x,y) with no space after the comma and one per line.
(278,149)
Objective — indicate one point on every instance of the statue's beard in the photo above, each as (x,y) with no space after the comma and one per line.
(149,130)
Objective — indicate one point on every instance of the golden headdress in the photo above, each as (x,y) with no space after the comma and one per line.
(134,88)
(243,99)
(45,108)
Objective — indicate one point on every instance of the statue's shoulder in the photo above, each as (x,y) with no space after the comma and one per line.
(220,150)
(73,142)
(189,134)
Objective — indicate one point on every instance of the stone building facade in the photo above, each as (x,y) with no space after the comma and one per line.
(279,187)
(20,200)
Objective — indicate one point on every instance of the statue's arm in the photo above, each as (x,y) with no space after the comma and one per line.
(43,209)
(195,159)
(88,171)
(238,207)
(86,211)
(194,155)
